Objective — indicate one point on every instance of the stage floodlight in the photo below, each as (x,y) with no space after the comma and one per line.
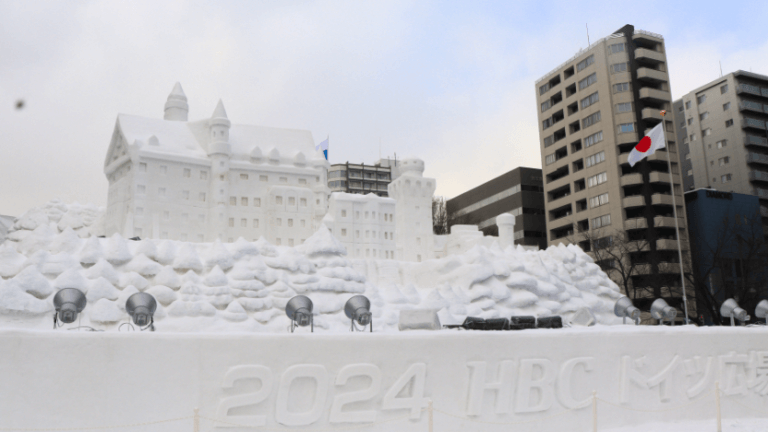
(661,311)
(761,311)
(358,308)
(731,309)
(299,310)
(68,302)
(625,309)
(141,307)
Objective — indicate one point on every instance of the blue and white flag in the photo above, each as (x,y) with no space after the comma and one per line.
(324,147)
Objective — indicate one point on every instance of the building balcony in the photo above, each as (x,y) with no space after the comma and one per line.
(636,223)
(664,268)
(644,54)
(662,199)
(750,123)
(746,105)
(648,36)
(660,177)
(633,201)
(651,114)
(757,158)
(659,96)
(761,193)
(631,179)
(651,75)
(748,89)
(758,176)
(638,246)
(667,222)
(668,244)
(751,140)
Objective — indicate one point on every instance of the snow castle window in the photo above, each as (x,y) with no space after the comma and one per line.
(163,169)
(366,215)
(263,178)
(255,223)
(418,258)
(374,253)
(185,194)
(317,179)
(367,234)
(290,222)
(231,222)
(303,223)
(344,232)
(279,222)
(233,201)
(367,253)
(374,215)
(418,241)
(221,191)
(221,177)
(257,202)
(386,235)
(244,223)
(278,200)
(302,181)
(303,202)
(140,189)
(358,252)
(161,192)
(139,211)
(230,240)
(143,167)
(317,201)
(291,201)
(290,242)
(187,174)
(201,197)
(277,241)
(221,164)
(166,215)
(203,175)
(243,176)
(343,213)
(357,235)
(283,179)
(244,201)
(137,232)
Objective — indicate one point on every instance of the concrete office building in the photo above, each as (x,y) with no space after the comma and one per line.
(722,128)
(519,192)
(361,178)
(592,111)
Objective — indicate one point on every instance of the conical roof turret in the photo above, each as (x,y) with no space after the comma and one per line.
(219,116)
(176,107)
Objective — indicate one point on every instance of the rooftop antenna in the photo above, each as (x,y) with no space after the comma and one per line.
(588,44)
(721,68)
(379,148)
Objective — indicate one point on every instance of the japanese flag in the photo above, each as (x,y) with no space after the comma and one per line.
(648,145)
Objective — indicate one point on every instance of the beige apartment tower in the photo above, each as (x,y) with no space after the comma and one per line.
(592,110)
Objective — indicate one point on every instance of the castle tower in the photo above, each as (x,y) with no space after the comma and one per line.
(413,221)
(506,224)
(219,152)
(176,107)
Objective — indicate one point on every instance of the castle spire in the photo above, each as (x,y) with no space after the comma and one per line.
(220,112)
(176,107)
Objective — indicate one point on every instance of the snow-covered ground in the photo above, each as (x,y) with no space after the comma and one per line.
(244,286)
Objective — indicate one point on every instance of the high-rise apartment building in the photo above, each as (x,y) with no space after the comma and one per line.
(592,111)
(519,192)
(360,178)
(722,130)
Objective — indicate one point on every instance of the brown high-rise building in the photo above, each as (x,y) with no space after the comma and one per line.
(593,109)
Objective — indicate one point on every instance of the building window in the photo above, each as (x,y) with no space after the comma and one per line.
(243,176)
(303,223)
(588,81)
(688,156)
(621,87)
(680,109)
(303,202)
(291,201)
(722,143)
(231,222)
(187,172)
(244,201)
(547,104)
(139,211)
(626,127)
(601,221)
(624,107)
(185,194)
(589,100)
(729,123)
(597,179)
(201,197)
(726,106)
(690,121)
(706,132)
(590,120)
(244,223)
(726,178)
(166,215)
(163,169)
(278,241)
(142,167)
(724,160)
(302,181)
(619,67)
(688,105)
(595,159)
(255,223)
(290,222)
(617,48)
(263,178)
(543,89)
(598,200)
(550,159)
(580,66)
(690,173)
(141,189)
(357,215)
(593,139)
(203,175)
(233,201)
(701,99)
(704,115)
(343,213)
(724,89)
(279,222)
(283,179)
(278,199)
(693,137)
(257,202)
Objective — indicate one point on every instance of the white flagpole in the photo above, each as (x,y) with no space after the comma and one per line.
(674,212)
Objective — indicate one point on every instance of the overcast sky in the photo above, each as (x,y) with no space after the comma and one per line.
(450,82)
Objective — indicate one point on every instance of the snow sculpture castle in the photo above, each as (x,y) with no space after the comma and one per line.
(207,179)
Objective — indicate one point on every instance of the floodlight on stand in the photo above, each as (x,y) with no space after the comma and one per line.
(299,310)
(661,311)
(625,309)
(68,302)
(358,308)
(761,311)
(141,307)
(730,308)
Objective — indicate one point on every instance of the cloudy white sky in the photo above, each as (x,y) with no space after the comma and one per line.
(450,82)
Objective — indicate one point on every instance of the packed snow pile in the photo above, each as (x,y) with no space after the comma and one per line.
(84,219)
(244,286)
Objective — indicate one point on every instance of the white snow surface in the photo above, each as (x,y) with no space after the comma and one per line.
(244,286)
